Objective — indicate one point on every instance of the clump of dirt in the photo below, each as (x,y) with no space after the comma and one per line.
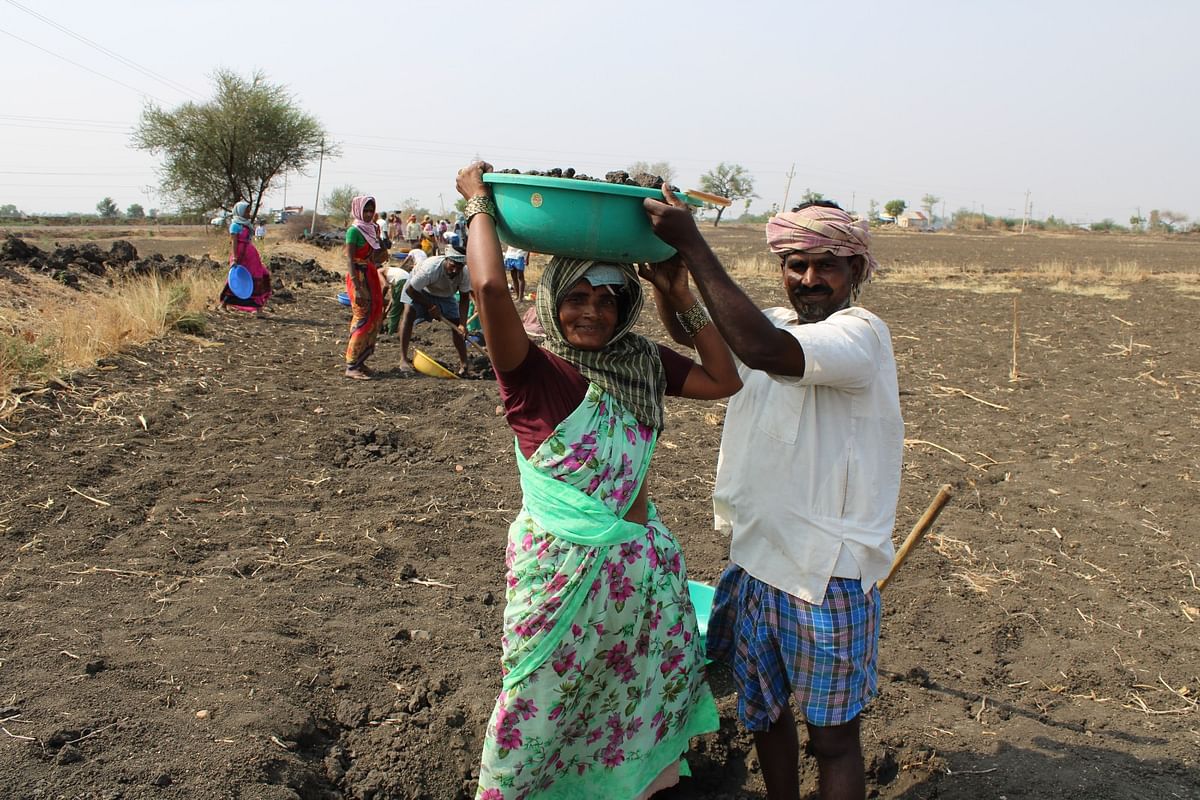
(15,249)
(329,240)
(366,446)
(299,273)
(616,176)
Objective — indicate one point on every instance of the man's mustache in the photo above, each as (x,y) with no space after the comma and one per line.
(807,291)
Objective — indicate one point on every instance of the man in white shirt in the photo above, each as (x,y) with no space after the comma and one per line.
(807,482)
(429,294)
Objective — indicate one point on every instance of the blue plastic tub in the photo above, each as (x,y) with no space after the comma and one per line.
(241,282)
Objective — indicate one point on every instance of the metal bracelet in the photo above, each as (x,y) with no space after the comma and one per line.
(479,204)
(694,319)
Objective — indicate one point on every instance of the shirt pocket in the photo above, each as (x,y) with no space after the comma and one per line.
(779,415)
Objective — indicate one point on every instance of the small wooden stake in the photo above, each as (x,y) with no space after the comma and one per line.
(1013,373)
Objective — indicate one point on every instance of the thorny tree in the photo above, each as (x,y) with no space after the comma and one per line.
(728,180)
(232,147)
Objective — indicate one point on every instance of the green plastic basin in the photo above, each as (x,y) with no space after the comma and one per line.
(702,600)
(579,219)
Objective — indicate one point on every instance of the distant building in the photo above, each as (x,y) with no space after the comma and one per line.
(913,219)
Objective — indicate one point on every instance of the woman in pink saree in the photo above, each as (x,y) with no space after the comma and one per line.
(242,251)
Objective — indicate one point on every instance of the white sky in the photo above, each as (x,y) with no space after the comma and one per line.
(1091,106)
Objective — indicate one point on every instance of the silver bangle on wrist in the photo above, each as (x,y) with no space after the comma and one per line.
(693,319)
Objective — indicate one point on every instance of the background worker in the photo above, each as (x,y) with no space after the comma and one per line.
(364,254)
(515,261)
(429,295)
(412,231)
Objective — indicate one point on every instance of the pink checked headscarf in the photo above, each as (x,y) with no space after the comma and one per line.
(366,227)
(823,230)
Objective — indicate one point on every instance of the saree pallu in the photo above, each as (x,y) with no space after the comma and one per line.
(603,669)
(366,316)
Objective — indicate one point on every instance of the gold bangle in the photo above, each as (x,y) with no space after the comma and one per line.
(694,319)
(479,204)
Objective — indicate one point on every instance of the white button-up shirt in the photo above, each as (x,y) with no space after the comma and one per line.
(809,469)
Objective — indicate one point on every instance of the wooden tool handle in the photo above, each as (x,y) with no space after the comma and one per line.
(918,532)
(468,339)
(708,197)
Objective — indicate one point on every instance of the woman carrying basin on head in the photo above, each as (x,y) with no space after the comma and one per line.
(242,251)
(602,665)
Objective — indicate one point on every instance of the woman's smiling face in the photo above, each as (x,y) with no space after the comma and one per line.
(588,315)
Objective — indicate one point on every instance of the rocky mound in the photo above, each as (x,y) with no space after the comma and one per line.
(69,263)
(297,273)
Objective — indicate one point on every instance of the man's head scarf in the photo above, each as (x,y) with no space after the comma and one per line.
(629,367)
(241,213)
(819,229)
(365,226)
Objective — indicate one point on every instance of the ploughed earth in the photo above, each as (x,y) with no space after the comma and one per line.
(229,572)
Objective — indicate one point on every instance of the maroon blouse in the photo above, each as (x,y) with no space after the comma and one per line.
(544,389)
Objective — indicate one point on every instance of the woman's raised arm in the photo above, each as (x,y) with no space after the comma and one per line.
(507,342)
(716,376)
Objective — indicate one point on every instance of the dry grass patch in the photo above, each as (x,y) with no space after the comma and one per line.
(1083,278)
(925,272)
(1069,272)
(752,265)
(979,576)
(991,286)
(72,335)
(1090,290)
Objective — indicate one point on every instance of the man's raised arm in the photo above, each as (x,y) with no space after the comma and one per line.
(751,336)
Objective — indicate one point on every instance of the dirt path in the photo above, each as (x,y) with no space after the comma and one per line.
(231,573)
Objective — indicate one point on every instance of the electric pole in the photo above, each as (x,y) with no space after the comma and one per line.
(1025,212)
(312,231)
(788,190)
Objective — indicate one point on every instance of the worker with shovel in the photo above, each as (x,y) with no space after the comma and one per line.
(807,483)
(429,295)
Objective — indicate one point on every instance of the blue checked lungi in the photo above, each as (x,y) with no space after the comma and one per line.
(779,646)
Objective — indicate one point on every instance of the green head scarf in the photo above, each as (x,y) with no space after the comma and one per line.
(629,366)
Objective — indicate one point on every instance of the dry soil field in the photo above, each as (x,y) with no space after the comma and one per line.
(227,572)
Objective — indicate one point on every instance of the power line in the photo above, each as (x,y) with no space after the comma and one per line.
(149,73)
(70,120)
(64,130)
(81,66)
(64,174)
(72,186)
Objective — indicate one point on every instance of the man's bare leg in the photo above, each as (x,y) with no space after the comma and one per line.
(779,756)
(460,344)
(839,758)
(406,328)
